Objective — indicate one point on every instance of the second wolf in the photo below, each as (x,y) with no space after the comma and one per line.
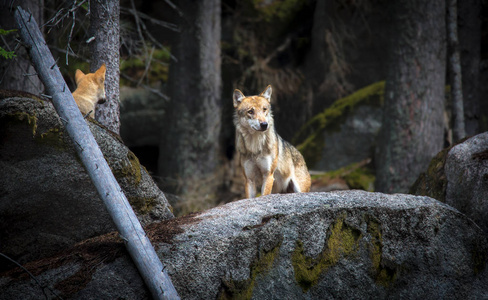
(90,90)
(266,158)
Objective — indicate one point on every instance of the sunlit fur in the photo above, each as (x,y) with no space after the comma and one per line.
(266,159)
(90,90)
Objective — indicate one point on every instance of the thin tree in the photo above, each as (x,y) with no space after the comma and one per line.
(412,131)
(18,73)
(104,47)
(455,77)
(469,31)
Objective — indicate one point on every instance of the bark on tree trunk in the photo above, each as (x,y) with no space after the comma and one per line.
(455,75)
(18,73)
(469,26)
(325,62)
(190,141)
(104,26)
(412,131)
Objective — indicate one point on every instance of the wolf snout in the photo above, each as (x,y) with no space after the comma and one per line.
(263,125)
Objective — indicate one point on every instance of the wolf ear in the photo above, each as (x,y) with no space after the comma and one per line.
(101,71)
(79,76)
(100,74)
(238,96)
(267,93)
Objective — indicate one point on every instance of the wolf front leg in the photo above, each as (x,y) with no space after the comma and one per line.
(250,189)
(268,180)
(267,167)
(250,169)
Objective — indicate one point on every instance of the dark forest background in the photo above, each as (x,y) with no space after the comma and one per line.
(180,61)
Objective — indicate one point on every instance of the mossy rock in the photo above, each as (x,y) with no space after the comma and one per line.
(384,275)
(235,289)
(342,242)
(48,199)
(130,168)
(433,182)
(457,176)
(335,245)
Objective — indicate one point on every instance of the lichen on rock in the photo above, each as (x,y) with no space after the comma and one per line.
(130,169)
(342,242)
(235,289)
(383,274)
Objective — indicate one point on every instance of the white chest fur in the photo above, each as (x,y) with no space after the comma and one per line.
(254,143)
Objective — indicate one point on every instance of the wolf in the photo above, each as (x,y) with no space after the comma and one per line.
(265,157)
(90,90)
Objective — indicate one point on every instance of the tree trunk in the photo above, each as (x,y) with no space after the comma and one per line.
(469,26)
(18,73)
(104,27)
(318,61)
(190,150)
(412,131)
(325,66)
(455,76)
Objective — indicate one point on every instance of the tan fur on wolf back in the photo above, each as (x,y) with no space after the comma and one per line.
(90,90)
(266,158)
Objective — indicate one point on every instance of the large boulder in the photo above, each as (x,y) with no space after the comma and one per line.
(47,200)
(458,176)
(344,133)
(337,245)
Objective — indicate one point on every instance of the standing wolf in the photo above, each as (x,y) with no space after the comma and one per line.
(265,157)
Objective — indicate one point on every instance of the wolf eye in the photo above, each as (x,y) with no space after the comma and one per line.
(265,108)
(251,111)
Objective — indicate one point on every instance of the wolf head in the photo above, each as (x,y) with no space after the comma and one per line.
(253,112)
(94,82)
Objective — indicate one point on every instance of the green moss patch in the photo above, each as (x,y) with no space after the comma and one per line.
(52,137)
(342,241)
(382,274)
(20,118)
(243,289)
(131,168)
(433,182)
(310,138)
(142,205)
